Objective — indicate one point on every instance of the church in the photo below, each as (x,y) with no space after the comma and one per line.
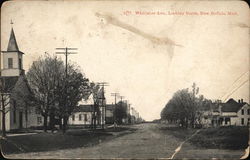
(16,112)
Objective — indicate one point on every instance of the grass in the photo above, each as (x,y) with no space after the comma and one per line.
(55,141)
(228,137)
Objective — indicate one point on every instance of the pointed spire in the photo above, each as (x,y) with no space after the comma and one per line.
(12,46)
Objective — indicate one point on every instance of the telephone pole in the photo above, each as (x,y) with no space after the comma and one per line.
(115,95)
(66,52)
(103,115)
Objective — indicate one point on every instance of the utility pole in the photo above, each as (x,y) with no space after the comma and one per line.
(121,98)
(66,52)
(103,116)
(115,95)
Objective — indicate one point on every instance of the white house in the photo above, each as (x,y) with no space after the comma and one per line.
(229,113)
(82,115)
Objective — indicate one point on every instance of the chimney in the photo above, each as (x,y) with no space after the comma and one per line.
(241,100)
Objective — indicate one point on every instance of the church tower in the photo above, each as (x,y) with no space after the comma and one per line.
(12,58)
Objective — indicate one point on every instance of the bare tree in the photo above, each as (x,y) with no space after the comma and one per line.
(6,87)
(43,77)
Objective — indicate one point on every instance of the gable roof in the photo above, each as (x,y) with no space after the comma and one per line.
(8,83)
(83,108)
(231,106)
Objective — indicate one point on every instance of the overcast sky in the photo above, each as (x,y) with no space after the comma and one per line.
(145,58)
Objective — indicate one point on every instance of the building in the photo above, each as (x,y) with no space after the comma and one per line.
(14,84)
(229,113)
(82,115)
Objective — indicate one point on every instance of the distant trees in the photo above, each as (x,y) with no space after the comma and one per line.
(54,94)
(185,107)
(120,111)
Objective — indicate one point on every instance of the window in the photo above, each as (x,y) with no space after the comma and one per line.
(39,120)
(10,62)
(85,117)
(73,117)
(242,121)
(248,111)
(14,111)
(242,111)
(20,63)
(80,117)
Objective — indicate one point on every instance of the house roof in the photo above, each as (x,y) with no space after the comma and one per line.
(231,106)
(83,108)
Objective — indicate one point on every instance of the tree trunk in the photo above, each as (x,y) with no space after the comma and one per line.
(45,122)
(60,122)
(65,122)
(3,118)
(52,121)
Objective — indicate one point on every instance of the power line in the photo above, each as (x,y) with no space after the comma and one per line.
(115,95)
(234,83)
(236,89)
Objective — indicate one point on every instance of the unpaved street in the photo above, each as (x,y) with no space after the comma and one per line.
(148,141)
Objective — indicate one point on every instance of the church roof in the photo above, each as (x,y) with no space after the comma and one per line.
(12,46)
(8,83)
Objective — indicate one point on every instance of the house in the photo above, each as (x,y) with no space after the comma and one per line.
(229,113)
(14,84)
(82,115)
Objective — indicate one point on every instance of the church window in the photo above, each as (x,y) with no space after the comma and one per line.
(10,62)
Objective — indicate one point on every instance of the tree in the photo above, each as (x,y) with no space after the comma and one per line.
(6,86)
(43,77)
(72,89)
(56,94)
(95,91)
(185,107)
(120,111)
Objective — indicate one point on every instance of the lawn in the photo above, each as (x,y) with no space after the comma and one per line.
(55,141)
(228,137)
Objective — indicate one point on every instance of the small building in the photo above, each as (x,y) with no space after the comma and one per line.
(82,115)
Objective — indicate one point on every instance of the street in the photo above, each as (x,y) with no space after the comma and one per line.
(148,141)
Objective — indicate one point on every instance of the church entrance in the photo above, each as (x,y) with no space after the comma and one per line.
(20,120)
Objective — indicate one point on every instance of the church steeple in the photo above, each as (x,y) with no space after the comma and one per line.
(12,46)
(12,58)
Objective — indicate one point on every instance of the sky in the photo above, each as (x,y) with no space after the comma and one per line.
(145,57)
